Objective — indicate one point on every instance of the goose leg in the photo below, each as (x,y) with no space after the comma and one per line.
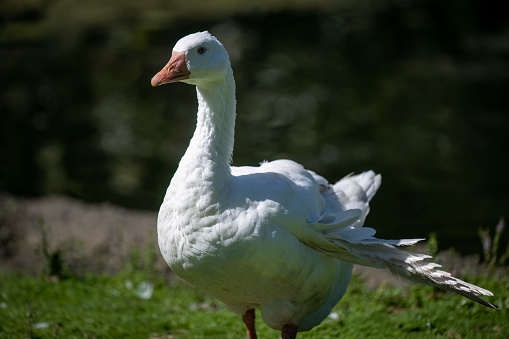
(249,321)
(289,331)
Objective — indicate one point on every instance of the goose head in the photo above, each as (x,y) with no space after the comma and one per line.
(198,59)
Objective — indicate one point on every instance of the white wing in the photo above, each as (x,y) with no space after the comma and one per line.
(334,216)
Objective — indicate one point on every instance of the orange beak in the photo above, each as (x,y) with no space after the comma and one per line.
(175,70)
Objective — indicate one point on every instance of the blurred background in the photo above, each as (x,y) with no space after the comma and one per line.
(415,90)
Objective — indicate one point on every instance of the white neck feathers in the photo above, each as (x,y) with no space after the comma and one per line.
(211,147)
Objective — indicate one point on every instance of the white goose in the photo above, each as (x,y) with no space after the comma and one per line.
(277,236)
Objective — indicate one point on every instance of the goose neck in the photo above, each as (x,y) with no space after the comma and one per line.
(212,143)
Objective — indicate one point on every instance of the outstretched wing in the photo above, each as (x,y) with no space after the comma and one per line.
(334,215)
(359,246)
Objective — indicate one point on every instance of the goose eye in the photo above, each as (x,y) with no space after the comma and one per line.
(201,50)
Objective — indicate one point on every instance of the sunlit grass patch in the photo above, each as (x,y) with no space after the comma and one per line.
(106,306)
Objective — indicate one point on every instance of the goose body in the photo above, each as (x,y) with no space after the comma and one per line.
(277,236)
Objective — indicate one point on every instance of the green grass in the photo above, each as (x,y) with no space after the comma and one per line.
(102,306)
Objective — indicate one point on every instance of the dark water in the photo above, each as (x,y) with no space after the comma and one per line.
(415,90)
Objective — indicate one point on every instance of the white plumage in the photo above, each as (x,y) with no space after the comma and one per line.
(277,236)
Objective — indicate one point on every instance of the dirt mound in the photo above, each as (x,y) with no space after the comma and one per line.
(96,236)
